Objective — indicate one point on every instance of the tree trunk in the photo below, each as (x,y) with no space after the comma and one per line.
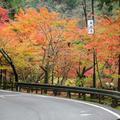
(85,11)
(46,81)
(0,78)
(119,73)
(94,69)
(46,77)
(98,72)
(52,76)
(93,10)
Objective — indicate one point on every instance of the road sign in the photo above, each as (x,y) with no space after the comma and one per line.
(90,26)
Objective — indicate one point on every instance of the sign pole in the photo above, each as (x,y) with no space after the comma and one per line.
(94,68)
(91,31)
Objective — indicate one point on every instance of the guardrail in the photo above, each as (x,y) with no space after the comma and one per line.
(94,93)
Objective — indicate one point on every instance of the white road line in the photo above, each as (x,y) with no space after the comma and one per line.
(7,91)
(81,102)
(85,115)
(3,96)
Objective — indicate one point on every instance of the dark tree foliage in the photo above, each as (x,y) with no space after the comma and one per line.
(108,3)
(71,3)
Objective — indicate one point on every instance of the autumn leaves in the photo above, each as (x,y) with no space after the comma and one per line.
(50,48)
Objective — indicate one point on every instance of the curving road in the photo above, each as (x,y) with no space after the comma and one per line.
(21,106)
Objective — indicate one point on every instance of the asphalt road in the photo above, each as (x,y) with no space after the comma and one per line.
(21,106)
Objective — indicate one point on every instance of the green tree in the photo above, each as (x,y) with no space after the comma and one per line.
(71,3)
(108,6)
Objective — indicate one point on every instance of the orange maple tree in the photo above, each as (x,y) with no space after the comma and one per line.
(43,35)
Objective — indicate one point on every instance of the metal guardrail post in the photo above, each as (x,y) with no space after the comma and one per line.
(69,94)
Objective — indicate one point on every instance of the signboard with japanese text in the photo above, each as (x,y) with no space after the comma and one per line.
(90,24)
